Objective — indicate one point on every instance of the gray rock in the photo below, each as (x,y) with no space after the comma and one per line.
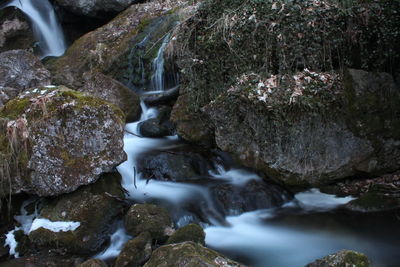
(342,258)
(93,263)
(95,7)
(152,128)
(188,254)
(21,69)
(6,94)
(57,139)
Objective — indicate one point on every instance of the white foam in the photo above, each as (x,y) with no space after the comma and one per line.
(58,226)
(12,243)
(117,242)
(238,177)
(314,200)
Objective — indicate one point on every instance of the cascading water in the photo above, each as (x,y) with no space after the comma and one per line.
(157,79)
(45,25)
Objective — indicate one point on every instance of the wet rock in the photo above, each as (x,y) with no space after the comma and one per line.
(54,140)
(108,89)
(254,195)
(342,258)
(93,206)
(6,94)
(93,263)
(96,8)
(173,165)
(148,218)
(152,128)
(163,98)
(135,252)
(21,69)
(15,31)
(44,259)
(191,232)
(188,254)
(375,201)
(109,49)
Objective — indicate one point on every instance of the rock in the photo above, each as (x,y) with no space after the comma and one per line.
(93,263)
(6,94)
(376,201)
(148,218)
(166,97)
(94,207)
(188,254)
(96,8)
(15,31)
(152,128)
(254,195)
(299,120)
(43,259)
(135,252)
(110,49)
(64,139)
(21,69)
(341,259)
(173,165)
(191,232)
(108,89)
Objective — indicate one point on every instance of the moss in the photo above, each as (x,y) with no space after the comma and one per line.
(190,232)
(15,108)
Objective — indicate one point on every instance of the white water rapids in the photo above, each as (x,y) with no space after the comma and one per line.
(46,28)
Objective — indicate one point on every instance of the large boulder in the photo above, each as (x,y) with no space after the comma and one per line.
(54,140)
(15,31)
(94,207)
(188,254)
(135,252)
(95,8)
(341,259)
(113,48)
(277,96)
(22,70)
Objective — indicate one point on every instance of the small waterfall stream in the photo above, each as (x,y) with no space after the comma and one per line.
(45,26)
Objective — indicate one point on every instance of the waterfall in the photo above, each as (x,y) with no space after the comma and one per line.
(158,80)
(45,26)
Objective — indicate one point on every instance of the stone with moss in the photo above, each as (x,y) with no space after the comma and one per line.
(133,37)
(135,252)
(54,139)
(44,259)
(342,258)
(93,263)
(94,207)
(188,254)
(148,218)
(293,96)
(191,232)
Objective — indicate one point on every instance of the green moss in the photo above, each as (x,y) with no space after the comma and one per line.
(190,232)
(15,108)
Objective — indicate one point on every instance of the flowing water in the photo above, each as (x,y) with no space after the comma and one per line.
(46,28)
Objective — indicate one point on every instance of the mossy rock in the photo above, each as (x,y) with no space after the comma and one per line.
(93,263)
(54,139)
(342,258)
(188,254)
(44,259)
(94,207)
(135,252)
(191,232)
(150,218)
(374,202)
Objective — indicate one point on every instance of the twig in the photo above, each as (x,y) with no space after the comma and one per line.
(133,134)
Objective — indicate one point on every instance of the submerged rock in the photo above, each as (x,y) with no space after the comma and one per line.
(108,89)
(191,232)
(148,218)
(54,140)
(94,207)
(135,252)
(188,254)
(341,259)
(21,69)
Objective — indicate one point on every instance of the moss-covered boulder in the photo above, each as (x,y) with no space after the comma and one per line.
(268,82)
(93,263)
(52,140)
(188,254)
(108,89)
(44,259)
(191,232)
(115,49)
(148,218)
(94,207)
(342,258)
(135,252)
(21,69)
